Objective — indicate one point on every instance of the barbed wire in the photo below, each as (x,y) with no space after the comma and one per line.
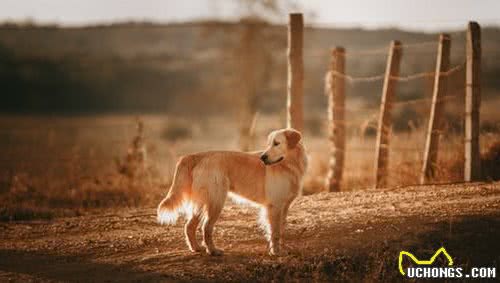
(428,74)
(368,52)
(422,100)
(352,79)
(384,50)
(372,148)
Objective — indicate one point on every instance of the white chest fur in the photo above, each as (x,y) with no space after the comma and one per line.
(278,188)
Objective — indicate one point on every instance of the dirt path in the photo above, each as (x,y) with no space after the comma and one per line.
(342,236)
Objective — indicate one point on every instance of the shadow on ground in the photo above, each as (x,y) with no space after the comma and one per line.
(71,268)
(336,255)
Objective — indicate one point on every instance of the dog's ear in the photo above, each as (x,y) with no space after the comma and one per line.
(292,137)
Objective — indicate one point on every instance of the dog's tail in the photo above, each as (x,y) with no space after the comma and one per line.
(170,207)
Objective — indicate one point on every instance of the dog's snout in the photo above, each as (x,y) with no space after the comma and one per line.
(263,157)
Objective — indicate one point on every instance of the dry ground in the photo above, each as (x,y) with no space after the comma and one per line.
(354,236)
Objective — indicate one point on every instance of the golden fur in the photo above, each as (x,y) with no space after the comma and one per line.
(270,179)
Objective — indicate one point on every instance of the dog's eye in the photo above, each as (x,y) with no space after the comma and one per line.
(275,143)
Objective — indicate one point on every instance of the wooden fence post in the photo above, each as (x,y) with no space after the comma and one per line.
(472,168)
(335,89)
(295,118)
(385,118)
(435,119)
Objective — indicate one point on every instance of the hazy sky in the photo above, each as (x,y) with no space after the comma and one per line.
(409,14)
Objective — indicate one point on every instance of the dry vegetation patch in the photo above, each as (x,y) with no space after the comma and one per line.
(71,166)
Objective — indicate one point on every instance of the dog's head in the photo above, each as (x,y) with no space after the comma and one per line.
(280,144)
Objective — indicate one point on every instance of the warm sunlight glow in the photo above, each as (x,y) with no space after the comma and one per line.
(425,14)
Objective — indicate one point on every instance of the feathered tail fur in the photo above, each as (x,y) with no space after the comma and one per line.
(171,206)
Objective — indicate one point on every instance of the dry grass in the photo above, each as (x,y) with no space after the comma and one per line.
(64,166)
(405,161)
(490,164)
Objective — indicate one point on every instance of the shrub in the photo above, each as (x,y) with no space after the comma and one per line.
(177,130)
(490,162)
(406,119)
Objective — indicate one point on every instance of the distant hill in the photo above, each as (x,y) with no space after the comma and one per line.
(187,68)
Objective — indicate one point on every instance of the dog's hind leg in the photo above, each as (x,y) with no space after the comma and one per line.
(190,233)
(212,213)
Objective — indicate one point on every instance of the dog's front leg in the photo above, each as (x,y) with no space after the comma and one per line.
(274,215)
(284,214)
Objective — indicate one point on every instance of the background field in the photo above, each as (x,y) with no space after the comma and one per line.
(162,68)
(72,99)
(65,166)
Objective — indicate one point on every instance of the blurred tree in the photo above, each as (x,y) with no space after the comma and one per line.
(251,59)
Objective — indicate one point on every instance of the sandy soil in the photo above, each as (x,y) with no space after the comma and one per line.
(353,236)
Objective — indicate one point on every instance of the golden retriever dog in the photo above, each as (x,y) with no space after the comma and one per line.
(271,179)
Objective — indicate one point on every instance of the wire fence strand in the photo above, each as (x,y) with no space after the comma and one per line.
(428,74)
(385,50)
(353,79)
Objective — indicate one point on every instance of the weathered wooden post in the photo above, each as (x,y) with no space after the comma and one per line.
(435,127)
(295,116)
(472,168)
(385,118)
(335,89)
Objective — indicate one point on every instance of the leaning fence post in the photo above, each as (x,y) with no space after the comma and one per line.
(385,118)
(295,114)
(472,168)
(435,119)
(335,89)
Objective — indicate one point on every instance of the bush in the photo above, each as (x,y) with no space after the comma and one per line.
(490,162)
(491,127)
(406,119)
(176,130)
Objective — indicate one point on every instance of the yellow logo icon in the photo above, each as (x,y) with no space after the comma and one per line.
(423,262)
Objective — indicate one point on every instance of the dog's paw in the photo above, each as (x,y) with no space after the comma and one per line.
(277,252)
(215,252)
(196,249)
